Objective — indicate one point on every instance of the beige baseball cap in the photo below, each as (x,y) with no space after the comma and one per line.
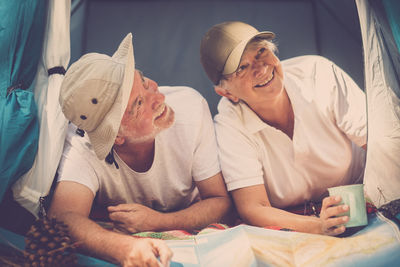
(95,92)
(222,47)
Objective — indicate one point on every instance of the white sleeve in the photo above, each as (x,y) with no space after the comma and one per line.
(74,165)
(240,164)
(205,158)
(349,107)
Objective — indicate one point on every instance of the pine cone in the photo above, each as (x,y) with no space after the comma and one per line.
(47,244)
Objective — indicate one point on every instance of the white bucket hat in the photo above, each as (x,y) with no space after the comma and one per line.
(95,93)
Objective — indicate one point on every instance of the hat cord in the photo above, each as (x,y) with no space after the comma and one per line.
(110,159)
(80,132)
(56,70)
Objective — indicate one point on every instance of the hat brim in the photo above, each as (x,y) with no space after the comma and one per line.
(103,137)
(233,60)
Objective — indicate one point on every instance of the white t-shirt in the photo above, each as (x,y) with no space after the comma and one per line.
(329,127)
(184,153)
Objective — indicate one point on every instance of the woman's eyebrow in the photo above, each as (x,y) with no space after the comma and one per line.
(260,50)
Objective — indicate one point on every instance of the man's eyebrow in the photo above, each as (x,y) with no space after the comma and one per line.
(134,104)
(141,74)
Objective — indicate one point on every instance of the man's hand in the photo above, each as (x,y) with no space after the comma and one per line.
(331,225)
(144,252)
(133,218)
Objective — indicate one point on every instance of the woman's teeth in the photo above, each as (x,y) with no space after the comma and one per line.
(266,81)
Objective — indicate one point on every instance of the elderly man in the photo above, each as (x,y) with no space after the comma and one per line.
(286,131)
(149,156)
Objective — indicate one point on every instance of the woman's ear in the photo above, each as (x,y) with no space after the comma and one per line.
(224,92)
(119,140)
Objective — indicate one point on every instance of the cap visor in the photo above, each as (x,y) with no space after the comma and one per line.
(232,63)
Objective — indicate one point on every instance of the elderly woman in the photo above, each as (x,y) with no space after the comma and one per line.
(286,130)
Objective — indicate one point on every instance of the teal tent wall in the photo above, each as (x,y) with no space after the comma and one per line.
(21,36)
(392,9)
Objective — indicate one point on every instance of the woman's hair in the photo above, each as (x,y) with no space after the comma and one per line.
(258,40)
(255,41)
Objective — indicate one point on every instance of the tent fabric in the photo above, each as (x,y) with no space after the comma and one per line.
(167,48)
(392,9)
(382,72)
(37,181)
(22,29)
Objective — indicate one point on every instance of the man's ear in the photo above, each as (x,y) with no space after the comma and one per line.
(119,140)
(223,92)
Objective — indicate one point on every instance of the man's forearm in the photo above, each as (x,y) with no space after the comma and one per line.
(197,216)
(94,239)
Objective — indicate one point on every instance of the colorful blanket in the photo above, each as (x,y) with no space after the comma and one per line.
(182,234)
(186,235)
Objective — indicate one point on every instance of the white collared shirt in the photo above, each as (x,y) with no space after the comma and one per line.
(329,128)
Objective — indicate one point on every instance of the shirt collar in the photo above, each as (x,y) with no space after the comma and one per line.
(250,119)
(253,123)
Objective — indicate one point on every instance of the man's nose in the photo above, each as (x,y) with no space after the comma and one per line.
(158,99)
(153,86)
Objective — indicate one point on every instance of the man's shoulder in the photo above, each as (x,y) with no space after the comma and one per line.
(77,141)
(180,92)
(186,102)
(79,158)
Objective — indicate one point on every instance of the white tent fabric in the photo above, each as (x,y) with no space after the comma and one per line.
(382,173)
(56,52)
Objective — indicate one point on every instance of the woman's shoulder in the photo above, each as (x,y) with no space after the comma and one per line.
(307,66)
(236,116)
(311,77)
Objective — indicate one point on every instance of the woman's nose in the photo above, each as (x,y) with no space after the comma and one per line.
(259,68)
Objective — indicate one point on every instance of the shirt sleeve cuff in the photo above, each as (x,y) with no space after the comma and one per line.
(244,183)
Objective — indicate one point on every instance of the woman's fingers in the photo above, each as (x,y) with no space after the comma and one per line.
(336,210)
(336,230)
(336,221)
(332,221)
(330,201)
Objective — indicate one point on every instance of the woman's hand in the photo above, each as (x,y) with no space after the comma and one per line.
(330,224)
